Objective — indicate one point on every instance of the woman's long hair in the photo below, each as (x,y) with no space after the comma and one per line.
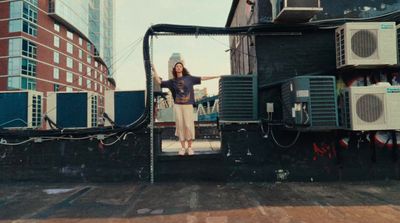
(185,72)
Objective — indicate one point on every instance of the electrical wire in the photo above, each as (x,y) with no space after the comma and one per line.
(5,143)
(285,146)
(112,143)
(16,119)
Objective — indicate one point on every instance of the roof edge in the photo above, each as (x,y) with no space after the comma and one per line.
(232,13)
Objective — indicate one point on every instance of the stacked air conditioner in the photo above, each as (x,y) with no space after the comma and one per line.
(73,109)
(366,44)
(309,103)
(238,98)
(375,107)
(124,107)
(22,109)
(296,11)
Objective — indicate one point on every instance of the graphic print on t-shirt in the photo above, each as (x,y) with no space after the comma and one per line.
(183,94)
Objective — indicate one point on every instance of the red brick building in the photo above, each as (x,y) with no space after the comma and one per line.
(44,50)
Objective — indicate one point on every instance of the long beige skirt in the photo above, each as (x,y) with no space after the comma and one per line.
(184,122)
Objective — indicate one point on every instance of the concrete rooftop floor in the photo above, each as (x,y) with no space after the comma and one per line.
(201,202)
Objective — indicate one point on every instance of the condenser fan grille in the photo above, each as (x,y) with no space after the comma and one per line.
(364,43)
(369,107)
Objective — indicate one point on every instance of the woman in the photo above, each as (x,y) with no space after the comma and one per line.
(181,87)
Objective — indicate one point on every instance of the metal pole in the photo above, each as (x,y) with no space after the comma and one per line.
(151,117)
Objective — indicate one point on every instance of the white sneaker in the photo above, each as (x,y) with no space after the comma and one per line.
(190,152)
(182,152)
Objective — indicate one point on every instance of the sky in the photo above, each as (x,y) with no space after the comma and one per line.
(203,56)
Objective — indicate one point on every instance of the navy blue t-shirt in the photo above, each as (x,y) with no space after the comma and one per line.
(182,88)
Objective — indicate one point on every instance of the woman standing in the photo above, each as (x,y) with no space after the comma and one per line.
(181,87)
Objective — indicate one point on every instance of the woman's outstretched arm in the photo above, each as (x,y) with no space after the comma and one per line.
(157,78)
(209,78)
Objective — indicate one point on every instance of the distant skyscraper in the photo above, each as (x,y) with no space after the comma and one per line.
(175,57)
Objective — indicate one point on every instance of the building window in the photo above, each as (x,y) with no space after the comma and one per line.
(80,81)
(89,47)
(80,54)
(94,110)
(15,25)
(15,9)
(70,77)
(80,41)
(21,83)
(36,110)
(56,57)
(95,86)
(95,74)
(28,83)
(33,2)
(101,78)
(28,67)
(29,28)
(29,49)
(30,12)
(56,27)
(88,71)
(80,67)
(56,73)
(14,83)
(88,83)
(101,88)
(56,87)
(70,48)
(96,64)
(14,66)
(89,59)
(56,41)
(14,47)
(70,35)
(70,62)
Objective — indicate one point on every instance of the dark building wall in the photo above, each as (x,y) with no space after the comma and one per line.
(78,160)
(298,53)
(264,8)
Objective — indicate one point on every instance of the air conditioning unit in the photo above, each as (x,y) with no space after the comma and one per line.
(309,102)
(73,109)
(21,109)
(375,107)
(296,11)
(366,44)
(124,107)
(238,99)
